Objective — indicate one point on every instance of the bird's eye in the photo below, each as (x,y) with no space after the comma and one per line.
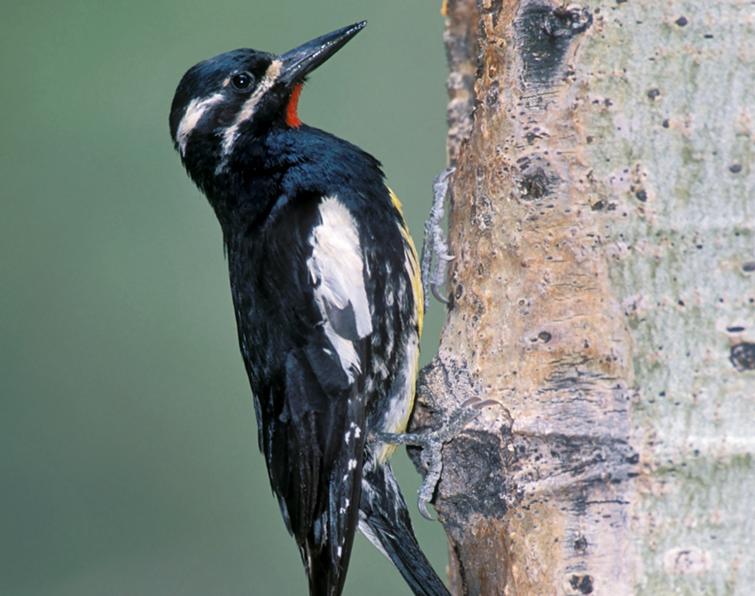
(242,81)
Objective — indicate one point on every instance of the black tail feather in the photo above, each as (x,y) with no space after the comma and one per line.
(384,520)
(326,574)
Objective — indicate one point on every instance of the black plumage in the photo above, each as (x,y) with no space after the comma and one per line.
(326,295)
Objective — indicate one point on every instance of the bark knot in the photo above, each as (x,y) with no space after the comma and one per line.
(544,33)
(742,356)
(477,483)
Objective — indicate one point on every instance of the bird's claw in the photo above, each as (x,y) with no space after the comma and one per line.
(435,255)
(432,443)
(438,278)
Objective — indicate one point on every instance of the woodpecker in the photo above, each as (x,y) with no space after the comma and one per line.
(327,296)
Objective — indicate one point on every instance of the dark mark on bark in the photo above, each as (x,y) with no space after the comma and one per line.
(544,336)
(580,544)
(535,181)
(665,123)
(681,21)
(580,503)
(598,205)
(543,464)
(641,195)
(583,583)
(534,184)
(742,356)
(476,484)
(534,135)
(492,97)
(494,10)
(748,267)
(481,212)
(653,93)
(567,21)
(735,329)
(735,168)
(543,34)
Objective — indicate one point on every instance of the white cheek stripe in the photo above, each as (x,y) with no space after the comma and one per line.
(193,114)
(247,110)
(337,273)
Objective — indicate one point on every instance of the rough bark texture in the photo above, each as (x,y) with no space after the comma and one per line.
(602,293)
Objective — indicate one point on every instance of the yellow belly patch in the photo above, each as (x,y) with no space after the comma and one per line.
(412,363)
(412,262)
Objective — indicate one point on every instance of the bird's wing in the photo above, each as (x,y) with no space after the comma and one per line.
(313,415)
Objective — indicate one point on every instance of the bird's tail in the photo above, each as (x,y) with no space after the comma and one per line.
(325,574)
(384,520)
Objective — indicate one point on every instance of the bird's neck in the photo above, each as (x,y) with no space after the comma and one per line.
(243,186)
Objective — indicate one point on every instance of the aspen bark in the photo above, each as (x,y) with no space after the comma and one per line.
(601,219)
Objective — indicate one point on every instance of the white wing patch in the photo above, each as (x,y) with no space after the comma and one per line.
(337,272)
(193,114)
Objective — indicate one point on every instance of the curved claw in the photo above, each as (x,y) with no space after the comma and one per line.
(422,506)
(430,483)
(439,277)
(442,178)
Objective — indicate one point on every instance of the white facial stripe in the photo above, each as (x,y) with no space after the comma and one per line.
(193,114)
(337,272)
(247,110)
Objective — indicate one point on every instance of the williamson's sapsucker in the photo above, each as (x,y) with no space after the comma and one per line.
(327,296)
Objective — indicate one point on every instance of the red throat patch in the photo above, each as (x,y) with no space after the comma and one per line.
(292,117)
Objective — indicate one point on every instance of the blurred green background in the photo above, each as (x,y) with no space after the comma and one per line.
(128,456)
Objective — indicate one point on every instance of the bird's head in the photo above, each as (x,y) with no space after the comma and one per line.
(224,101)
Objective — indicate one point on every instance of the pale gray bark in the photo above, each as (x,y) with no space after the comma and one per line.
(602,291)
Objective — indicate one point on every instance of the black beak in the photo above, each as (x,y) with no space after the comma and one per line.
(299,62)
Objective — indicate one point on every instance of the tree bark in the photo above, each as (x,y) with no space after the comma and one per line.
(602,294)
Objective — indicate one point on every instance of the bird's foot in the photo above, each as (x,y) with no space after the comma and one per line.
(435,255)
(432,441)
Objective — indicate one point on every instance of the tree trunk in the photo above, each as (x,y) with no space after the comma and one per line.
(602,294)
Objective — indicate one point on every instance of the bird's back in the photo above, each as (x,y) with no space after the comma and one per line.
(325,294)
